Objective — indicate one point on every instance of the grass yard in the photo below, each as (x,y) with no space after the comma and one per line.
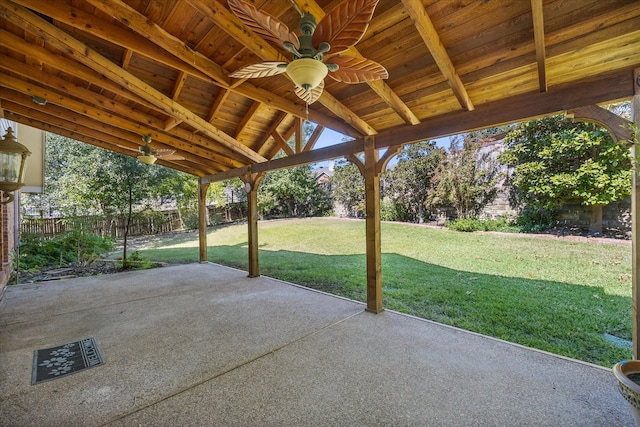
(567,298)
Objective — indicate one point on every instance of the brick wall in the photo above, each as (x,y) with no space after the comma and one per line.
(7,238)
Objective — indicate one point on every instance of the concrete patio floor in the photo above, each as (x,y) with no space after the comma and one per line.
(203,345)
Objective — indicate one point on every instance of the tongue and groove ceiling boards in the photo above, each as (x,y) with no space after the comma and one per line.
(113,71)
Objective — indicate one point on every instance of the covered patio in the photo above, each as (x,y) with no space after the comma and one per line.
(204,345)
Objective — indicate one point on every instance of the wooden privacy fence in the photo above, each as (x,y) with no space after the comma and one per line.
(158,222)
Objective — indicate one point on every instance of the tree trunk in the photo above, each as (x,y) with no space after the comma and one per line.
(595,227)
(125,264)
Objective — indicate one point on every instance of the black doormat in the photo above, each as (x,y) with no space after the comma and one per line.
(56,362)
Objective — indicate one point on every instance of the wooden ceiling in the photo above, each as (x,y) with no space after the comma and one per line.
(114,70)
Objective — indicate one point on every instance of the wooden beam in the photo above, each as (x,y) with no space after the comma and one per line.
(252,180)
(97,62)
(272,128)
(282,143)
(297,124)
(527,106)
(315,135)
(217,103)
(126,58)
(248,116)
(616,125)
(177,87)
(306,157)
(202,220)
(373,240)
(538,35)
(429,34)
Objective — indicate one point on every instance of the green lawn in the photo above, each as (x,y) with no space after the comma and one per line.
(559,296)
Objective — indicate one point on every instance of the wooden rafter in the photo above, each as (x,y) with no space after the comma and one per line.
(217,104)
(97,62)
(313,138)
(538,35)
(249,115)
(430,36)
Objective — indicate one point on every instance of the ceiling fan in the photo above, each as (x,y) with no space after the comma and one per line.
(316,52)
(149,155)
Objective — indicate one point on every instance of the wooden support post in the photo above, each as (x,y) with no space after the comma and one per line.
(635,224)
(374,251)
(251,181)
(202,219)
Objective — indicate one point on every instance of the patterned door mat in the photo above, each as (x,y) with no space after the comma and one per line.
(56,362)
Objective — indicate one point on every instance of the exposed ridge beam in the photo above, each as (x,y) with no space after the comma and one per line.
(538,35)
(378,86)
(232,25)
(429,34)
(60,39)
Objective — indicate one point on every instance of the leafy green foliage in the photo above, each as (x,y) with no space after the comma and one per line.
(477,224)
(466,179)
(556,160)
(292,192)
(407,185)
(348,188)
(72,248)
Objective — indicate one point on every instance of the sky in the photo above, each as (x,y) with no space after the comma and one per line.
(331,137)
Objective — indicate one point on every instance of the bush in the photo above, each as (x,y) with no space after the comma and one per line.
(532,220)
(71,248)
(502,224)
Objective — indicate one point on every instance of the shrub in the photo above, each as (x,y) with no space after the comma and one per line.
(503,224)
(71,248)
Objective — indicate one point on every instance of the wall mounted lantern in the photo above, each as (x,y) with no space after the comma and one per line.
(13,157)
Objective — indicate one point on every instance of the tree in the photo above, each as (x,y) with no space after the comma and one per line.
(557,160)
(408,184)
(466,178)
(348,188)
(292,192)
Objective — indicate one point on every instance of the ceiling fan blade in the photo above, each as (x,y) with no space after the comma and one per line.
(264,69)
(160,152)
(345,25)
(310,96)
(171,157)
(357,70)
(269,27)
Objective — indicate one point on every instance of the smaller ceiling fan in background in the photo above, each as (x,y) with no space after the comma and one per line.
(149,155)
(317,51)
